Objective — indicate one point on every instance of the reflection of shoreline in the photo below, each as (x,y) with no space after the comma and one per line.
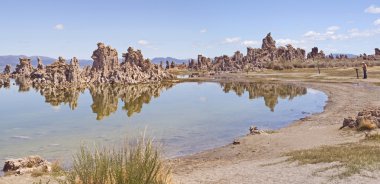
(105,97)
(270,92)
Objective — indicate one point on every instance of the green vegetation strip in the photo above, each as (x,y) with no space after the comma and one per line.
(353,157)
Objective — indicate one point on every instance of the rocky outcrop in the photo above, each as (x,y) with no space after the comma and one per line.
(367,119)
(202,63)
(25,68)
(255,58)
(314,54)
(7,70)
(59,72)
(27,165)
(105,69)
(134,69)
(40,66)
(377,52)
(268,43)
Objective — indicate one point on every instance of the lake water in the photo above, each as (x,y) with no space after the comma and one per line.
(186,117)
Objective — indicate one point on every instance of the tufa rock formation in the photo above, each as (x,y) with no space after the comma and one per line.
(105,69)
(377,52)
(7,70)
(25,68)
(255,58)
(367,119)
(314,54)
(27,165)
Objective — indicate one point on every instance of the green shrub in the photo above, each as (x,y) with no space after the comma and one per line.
(133,163)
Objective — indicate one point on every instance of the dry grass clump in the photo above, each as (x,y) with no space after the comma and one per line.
(137,163)
(352,157)
(324,63)
(373,137)
(37,173)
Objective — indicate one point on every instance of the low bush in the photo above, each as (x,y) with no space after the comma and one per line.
(133,163)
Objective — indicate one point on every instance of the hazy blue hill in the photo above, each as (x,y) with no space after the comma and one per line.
(13,60)
(348,55)
(157,60)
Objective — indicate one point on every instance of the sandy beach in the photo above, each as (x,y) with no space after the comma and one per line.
(258,158)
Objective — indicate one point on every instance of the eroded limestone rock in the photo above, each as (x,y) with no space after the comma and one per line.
(105,69)
(367,119)
(377,52)
(24,68)
(7,70)
(27,165)
(314,54)
(254,60)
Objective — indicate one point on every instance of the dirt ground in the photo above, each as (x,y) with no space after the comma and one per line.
(252,160)
(259,158)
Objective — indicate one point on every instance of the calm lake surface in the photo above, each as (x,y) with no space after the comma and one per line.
(186,117)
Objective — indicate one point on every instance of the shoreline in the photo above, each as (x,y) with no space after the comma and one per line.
(243,163)
(263,149)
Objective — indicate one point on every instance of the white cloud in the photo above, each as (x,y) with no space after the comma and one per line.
(203,31)
(143,42)
(311,34)
(283,42)
(355,33)
(250,43)
(59,27)
(377,22)
(333,28)
(373,9)
(232,40)
(330,34)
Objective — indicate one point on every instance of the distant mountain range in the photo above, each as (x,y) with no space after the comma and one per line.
(348,55)
(157,60)
(13,60)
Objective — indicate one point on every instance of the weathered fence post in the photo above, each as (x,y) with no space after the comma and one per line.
(357,73)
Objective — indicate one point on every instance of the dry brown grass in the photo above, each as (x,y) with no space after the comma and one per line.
(352,157)
(133,163)
(373,137)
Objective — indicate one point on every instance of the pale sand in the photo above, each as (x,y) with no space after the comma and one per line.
(244,163)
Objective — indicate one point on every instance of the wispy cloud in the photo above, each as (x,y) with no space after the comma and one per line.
(377,22)
(373,9)
(232,40)
(286,41)
(330,34)
(250,43)
(59,27)
(203,31)
(143,42)
(333,28)
(147,44)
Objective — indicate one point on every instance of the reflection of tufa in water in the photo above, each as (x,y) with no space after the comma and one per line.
(105,97)
(270,92)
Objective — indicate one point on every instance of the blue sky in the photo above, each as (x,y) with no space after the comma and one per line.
(184,29)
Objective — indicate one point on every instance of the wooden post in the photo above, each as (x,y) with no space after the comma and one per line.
(319,70)
(357,73)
